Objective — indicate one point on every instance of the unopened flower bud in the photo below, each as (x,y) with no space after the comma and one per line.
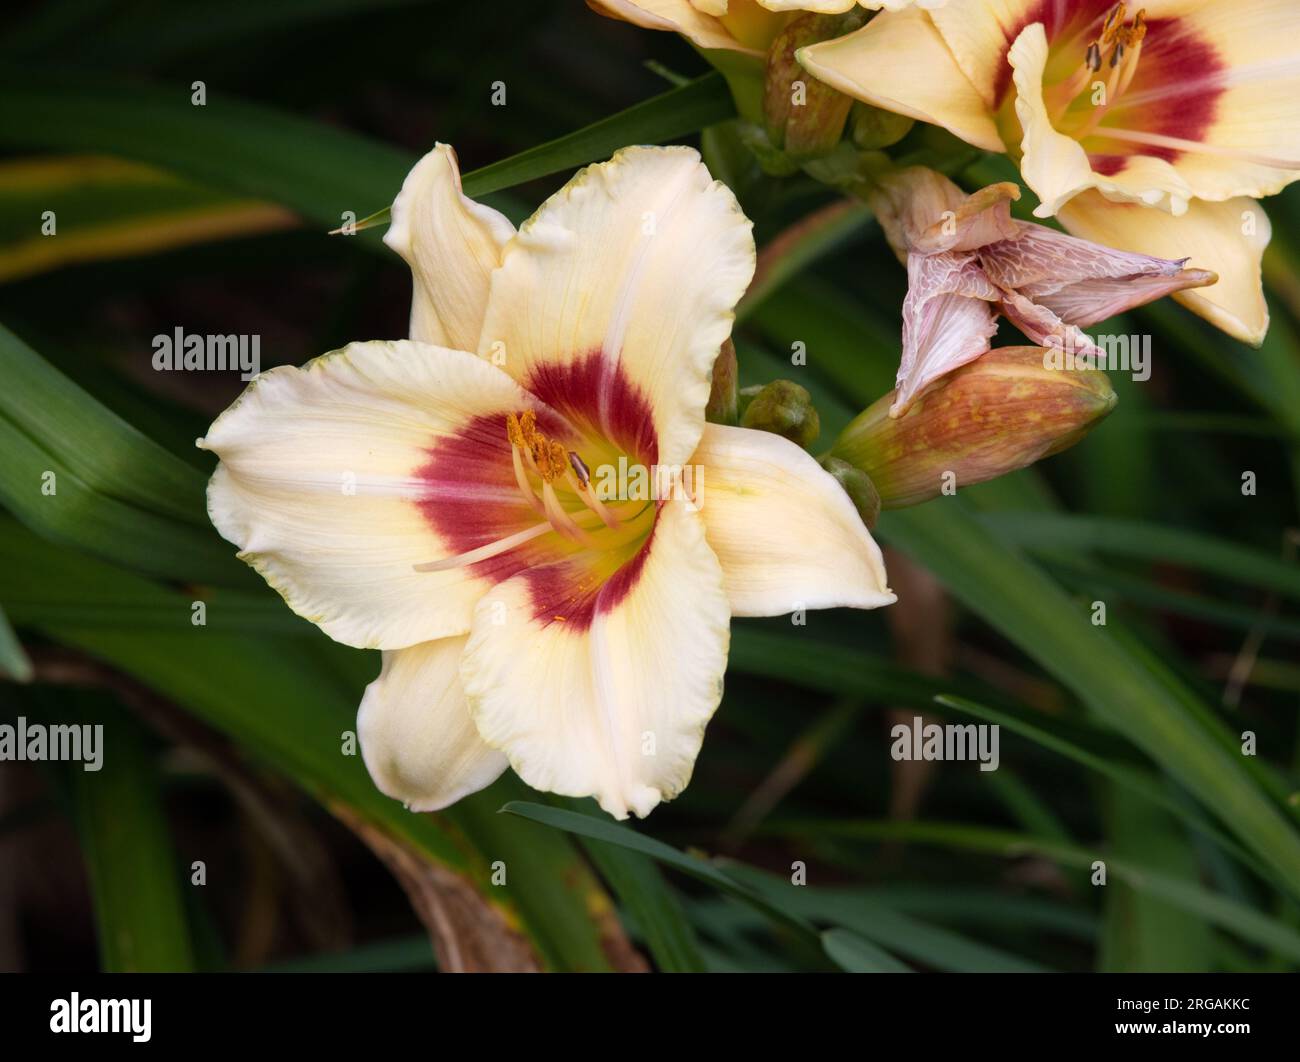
(783,408)
(805,117)
(858,486)
(874,129)
(1001,412)
(721,408)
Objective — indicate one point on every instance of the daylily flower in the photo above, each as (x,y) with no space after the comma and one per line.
(967,257)
(436,498)
(1152,130)
(744,26)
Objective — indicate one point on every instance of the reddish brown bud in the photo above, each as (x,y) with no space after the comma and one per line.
(804,117)
(1000,413)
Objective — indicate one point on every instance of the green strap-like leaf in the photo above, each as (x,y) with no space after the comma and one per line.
(1130,778)
(317,170)
(14,663)
(658,913)
(292,701)
(1186,895)
(856,955)
(1144,540)
(135,875)
(600,829)
(104,452)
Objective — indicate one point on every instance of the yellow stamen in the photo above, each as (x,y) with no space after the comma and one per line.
(1118,47)
(1136,34)
(521,478)
(513,431)
(533,453)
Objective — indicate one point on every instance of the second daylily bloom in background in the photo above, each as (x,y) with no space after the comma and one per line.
(788,118)
(967,257)
(745,26)
(1148,129)
(441,498)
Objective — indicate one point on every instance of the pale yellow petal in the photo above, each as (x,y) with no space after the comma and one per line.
(898,62)
(417,739)
(324,480)
(1056,166)
(675,16)
(614,705)
(1227,237)
(1249,80)
(979,32)
(623,285)
(452,245)
(821,7)
(786,534)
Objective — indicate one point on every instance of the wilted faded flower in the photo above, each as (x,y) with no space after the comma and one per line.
(1150,129)
(967,257)
(998,414)
(440,498)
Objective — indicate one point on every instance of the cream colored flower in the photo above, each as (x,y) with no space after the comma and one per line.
(746,26)
(1152,130)
(439,498)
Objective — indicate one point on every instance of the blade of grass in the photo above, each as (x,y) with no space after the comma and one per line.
(14,663)
(612,833)
(655,908)
(1131,778)
(51,499)
(1144,933)
(1247,923)
(106,208)
(884,926)
(1144,540)
(102,450)
(1135,696)
(135,876)
(853,954)
(790,253)
(314,169)
(291,702)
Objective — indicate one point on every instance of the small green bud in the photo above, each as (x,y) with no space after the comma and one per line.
(1002,412)
(771,160)
(783,408)
(874,129)
(858,486)
(805,117)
